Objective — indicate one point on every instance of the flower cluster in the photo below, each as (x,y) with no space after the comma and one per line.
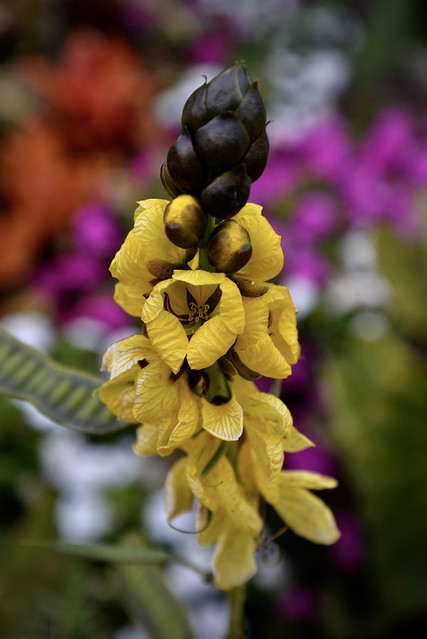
(196,270)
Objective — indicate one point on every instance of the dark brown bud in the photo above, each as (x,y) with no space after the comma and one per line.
(229,247)
(194,113)
(184,166)
(250,289)
(227,89)
(161,269)
(228,193)
(185,222)
(169,185)
(256,157)
(222,142)
(251,112)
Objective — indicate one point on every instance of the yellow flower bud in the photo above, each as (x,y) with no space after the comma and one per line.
(185,222)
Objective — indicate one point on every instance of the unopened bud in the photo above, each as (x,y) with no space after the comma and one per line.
(169,185)
(222,142)
(229,247)
(256,157)
(184,166)
(228,193)
(185,222)
(249,288)
(161,269)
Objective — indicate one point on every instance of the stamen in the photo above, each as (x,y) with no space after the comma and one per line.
(198,312)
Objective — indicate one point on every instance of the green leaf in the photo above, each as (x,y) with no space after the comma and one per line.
(151,603)
(66,395)
(106,552)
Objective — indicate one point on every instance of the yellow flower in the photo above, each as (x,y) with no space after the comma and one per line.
(289,494)
(269,342)
(228,517)
(143,247)
(143,389)
(195,315)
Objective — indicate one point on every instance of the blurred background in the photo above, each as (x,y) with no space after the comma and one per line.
(91,95)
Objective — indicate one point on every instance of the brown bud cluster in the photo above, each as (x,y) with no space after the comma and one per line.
(223,146)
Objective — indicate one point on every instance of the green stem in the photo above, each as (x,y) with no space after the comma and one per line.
(237,598)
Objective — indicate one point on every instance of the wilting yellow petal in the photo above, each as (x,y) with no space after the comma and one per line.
(179,497)
(165,331)
(234,559)
(209,343)
(224,421)
(267,256)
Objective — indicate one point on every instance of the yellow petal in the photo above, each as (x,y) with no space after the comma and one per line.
(283,326)
(308,479)
(200,452)
(129,263)
(124,354)
(186,423)
(234,559)
(199,277)
(231,307)
(130,298)
(211,528)
(306,514)
(267,447)
(168,337)
(256,322)
(265,358)
(179,497)
(155,393)
(224,421)
(146,443)
(267,256)
(150,230)
(119,398)
(155,302)
(280,417)
(296,441)
(209,343)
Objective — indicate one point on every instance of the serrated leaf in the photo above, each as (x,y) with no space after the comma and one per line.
(64,394)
